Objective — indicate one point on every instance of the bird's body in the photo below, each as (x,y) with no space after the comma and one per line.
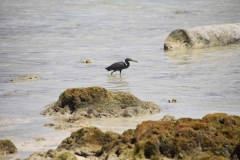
(119,66)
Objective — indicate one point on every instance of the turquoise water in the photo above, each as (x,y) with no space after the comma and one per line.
(49,39)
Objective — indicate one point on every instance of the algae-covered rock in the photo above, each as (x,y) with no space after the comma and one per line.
(97,102)
(213,136)
(203,36)
(7,147)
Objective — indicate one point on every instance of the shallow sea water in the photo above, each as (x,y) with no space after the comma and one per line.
(49,39)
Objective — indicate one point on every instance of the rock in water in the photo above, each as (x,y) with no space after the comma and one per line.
(86,61)
(168,117)
(98,102)
(7,147)
(203,37)
(25,78)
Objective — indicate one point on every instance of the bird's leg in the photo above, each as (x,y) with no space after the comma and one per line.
(120,73)
(112,72)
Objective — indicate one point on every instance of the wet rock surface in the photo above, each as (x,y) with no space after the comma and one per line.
(203,36)
(7,147)
(96,102)
(88,141)
(52,154)
(215,136)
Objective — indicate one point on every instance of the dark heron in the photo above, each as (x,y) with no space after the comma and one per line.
(119,66)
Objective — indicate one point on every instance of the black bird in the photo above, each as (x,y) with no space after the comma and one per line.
(119,66)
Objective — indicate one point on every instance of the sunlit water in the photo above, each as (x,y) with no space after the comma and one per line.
(49,38)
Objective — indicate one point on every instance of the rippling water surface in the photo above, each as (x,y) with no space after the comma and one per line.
(49,38)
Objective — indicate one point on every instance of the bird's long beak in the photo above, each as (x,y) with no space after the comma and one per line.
(134,61)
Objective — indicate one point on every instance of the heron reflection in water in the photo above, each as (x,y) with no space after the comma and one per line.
(118,81)
(119,66)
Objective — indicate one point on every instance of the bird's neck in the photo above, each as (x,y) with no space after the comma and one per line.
(128,64)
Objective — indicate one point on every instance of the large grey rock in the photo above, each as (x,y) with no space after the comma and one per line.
(203,37)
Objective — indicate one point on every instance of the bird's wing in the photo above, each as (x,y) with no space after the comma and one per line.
(116,66)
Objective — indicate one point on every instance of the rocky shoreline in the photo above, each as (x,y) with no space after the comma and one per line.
(215,136)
